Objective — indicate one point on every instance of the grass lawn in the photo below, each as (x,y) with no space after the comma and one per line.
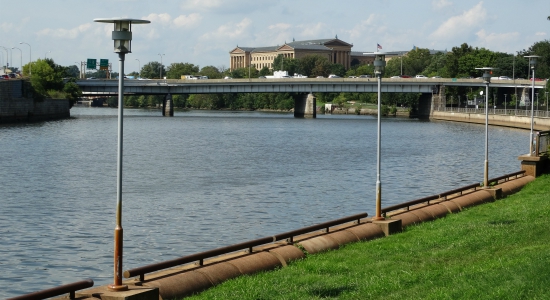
(499,250)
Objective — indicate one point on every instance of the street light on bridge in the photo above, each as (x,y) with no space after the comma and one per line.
(532,64)
(379,66)
(30,58)
(486,80)
(160,69)
(122,36)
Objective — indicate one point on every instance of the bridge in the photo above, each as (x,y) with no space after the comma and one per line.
(306,86)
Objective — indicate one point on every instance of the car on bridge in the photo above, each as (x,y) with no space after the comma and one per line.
(420,76)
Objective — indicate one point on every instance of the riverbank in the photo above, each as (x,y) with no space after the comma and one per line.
(492,251)
(523,122)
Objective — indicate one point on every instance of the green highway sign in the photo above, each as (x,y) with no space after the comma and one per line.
(91,63)
(103,64)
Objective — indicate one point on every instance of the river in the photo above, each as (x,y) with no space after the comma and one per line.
(207,179)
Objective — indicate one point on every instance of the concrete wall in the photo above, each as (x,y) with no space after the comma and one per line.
(17,104)
(501,120)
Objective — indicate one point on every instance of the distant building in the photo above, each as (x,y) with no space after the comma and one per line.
(335,50)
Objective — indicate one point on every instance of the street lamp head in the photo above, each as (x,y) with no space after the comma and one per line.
(532,60)
(379,63)
(122,33)
(486,73)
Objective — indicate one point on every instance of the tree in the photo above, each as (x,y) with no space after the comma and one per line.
(541,49)
(452,64)
(72,71)
(176,70)
(152,70)
(211,71)
(43,77)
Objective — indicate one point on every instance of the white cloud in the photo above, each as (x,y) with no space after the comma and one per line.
(201,4)
(279,26)
(364,27)
(163,19)
(440,4)
(318,30)
(494,40)
(230,31)
(540,34)
(64,33)
(188,21)
(461,25)
(6,27)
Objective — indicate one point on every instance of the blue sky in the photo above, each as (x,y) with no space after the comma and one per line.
(202,32)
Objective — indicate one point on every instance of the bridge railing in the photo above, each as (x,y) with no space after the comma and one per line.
(200,257)
(456,192)
(511,111)
(70,288)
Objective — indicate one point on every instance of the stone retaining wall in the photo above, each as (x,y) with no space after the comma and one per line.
(17,104)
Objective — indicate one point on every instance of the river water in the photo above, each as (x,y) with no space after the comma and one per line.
(207,179)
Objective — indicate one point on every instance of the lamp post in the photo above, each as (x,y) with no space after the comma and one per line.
(160,69)
(505,104)
(379,65)
(7,58)
(139,68)
(30,57)
(486,80)
(547,104)
(532,64)
(122,36)
(21,57)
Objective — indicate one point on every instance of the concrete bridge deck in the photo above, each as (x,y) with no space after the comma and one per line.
(287,85)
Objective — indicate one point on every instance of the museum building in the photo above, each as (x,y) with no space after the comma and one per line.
(335,50)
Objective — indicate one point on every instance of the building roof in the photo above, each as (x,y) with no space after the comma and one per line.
(320,44)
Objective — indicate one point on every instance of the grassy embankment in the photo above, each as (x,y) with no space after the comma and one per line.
(499,250)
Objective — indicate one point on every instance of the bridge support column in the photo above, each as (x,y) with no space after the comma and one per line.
(425,106)
(168,106)
(305,106)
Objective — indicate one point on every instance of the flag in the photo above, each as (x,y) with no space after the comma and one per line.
(378,46)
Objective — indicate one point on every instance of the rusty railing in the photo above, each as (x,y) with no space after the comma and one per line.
(443,196)
(200,257)
(70,288)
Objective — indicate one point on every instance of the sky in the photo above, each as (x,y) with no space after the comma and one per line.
(203,32)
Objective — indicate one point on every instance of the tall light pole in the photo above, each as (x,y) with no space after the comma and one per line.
(21,57)
(532,64)
(379,65)
(486,80)
(30,57)
(7,58)
(160,69)
(505,104)
(122,36)
(547,104)
(139,68)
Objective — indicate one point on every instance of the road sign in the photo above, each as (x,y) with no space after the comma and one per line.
(103,64)
(91,63)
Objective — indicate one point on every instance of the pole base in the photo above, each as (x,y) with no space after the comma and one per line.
(117,288)
(378,218)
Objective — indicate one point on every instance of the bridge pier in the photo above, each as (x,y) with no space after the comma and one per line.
(168,106)
(305,106)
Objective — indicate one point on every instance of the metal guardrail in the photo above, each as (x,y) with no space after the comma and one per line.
(542,143)
(70,288)
(200,257)
(444,195)
(510,111)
